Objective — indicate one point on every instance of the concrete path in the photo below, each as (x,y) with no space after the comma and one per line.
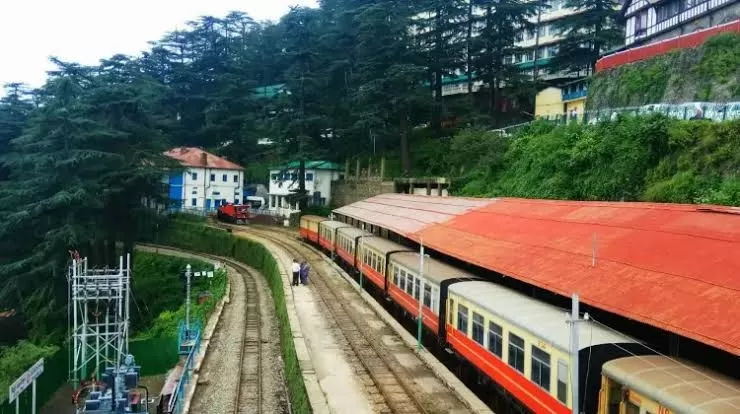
(330,380)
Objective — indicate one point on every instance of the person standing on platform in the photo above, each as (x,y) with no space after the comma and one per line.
(304,272)
(296,272)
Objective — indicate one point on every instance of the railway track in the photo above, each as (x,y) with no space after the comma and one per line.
(398,393)
(249,389)
(248,399)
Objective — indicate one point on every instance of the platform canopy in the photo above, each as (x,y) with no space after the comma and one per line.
(675,267)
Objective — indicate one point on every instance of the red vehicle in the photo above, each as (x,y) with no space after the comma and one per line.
(233,213)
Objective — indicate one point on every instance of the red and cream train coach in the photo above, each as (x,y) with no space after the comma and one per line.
(309,227)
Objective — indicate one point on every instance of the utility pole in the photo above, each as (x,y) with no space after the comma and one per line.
(573,320)
(421,296)
(331,217)
(187,298)
(360,254)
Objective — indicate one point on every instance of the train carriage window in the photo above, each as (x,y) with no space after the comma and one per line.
(435,300)
(563,381)
(478,328)
(409,284)
(402,280)
(516,352)
(540,368)
(396,271)
(462,319)
(428,296)
(495,339)
(417,288)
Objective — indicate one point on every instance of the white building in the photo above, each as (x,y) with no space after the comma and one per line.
(207,182)
(284,182)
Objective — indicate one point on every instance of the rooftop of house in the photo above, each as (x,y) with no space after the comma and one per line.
(310,165)
(199,158)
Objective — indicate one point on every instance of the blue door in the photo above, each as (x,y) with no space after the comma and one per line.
(175,193)
(218,203)
(208,204)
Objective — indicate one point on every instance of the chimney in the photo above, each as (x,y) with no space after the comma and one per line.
(204,159)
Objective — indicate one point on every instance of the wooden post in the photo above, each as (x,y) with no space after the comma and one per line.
(369,168)
(357,170)
(382,168)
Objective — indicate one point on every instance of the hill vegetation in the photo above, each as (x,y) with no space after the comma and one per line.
(710,72)
(631,159)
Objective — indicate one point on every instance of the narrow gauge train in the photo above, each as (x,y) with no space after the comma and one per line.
(522,344)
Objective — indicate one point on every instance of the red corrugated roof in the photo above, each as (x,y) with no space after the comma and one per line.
(198,158)
(406,214)
(676,267)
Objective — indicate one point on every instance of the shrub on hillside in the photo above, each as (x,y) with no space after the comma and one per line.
(651,158)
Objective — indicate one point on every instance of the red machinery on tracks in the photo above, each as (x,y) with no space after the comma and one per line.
(233,213)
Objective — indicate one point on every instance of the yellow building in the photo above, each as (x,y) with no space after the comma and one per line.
(568,99)
(548,103)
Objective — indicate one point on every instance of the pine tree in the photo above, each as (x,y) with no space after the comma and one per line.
(501,21)
(595,29)
(15,108)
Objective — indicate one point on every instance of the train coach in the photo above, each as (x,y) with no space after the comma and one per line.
(328,233)
(522,344)
(309,227)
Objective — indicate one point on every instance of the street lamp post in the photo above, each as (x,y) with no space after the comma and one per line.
(187,297)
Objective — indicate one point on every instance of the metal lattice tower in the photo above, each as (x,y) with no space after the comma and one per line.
(98,317)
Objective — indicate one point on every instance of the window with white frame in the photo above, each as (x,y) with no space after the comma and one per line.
(562,381)
(540,368)
(462,319)
(495,339)
(516,352)
(478,329)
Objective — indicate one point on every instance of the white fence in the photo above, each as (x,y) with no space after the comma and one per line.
(714,111)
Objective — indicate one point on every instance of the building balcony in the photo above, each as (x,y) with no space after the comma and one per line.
(573,95)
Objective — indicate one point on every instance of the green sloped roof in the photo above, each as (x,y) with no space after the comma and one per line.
(310,165)
(269,91)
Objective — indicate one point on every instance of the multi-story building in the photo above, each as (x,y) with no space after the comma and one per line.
(207,181)
(653,21)
(284,183)
(657,27)
(542,43)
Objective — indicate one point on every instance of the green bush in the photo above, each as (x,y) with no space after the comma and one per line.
(200,238)
(15,360)
(157,288)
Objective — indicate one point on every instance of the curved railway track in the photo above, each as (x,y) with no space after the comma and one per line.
(249,392)
(398,393)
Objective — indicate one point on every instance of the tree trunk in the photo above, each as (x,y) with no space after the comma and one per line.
(110,250)
(302,198)
(405,150)
(469,50)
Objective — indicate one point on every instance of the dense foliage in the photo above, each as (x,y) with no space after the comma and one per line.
(158,303)
(650,159)
(706,73)
(351,77)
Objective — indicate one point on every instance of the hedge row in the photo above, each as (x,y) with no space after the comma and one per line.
(199,238)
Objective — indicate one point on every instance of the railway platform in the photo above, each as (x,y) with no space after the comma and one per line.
(343,373)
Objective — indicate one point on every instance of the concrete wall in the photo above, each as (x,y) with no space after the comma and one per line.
(548,101)
(349,191)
